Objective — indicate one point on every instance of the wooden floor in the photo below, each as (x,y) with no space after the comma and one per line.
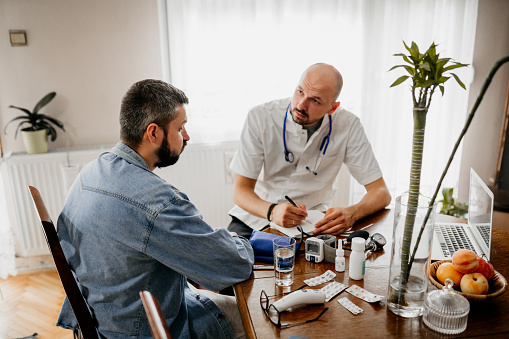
(30,303)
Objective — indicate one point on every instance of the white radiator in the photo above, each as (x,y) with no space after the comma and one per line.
(51,174)
(201,173)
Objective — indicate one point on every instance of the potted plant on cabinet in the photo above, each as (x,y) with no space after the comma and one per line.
(36,127)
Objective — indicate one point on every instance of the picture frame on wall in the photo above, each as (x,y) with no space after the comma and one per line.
(18,37)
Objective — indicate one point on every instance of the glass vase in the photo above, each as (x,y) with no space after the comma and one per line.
(408,279)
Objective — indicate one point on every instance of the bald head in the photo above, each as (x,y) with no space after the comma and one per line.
(316,94)
(326,75)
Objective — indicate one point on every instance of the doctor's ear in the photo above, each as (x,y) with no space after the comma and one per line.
(334,107)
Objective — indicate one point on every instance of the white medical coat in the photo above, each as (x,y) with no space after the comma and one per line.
(260,156)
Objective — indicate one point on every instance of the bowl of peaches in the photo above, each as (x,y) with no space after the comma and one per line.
(473,277)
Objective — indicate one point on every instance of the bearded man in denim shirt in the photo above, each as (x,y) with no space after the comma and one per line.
(123,230)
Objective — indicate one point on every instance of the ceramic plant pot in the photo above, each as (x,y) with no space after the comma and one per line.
(35,141)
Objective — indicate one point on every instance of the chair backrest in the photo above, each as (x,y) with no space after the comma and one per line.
(155,316)
(81,312)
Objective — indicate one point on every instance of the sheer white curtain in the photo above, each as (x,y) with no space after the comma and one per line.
(229,55)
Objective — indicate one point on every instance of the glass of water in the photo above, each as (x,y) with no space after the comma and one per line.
(284,260)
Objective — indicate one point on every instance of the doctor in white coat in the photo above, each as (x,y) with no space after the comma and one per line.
(295,147)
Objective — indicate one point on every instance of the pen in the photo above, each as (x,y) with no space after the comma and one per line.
(291,201)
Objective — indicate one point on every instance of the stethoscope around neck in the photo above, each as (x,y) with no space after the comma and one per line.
(323,147)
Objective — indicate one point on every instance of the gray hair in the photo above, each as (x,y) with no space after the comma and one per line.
(146,102)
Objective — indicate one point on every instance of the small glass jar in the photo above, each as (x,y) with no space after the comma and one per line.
(445,311)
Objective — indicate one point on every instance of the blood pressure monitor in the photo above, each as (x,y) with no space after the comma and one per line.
(314,250)
(322,247)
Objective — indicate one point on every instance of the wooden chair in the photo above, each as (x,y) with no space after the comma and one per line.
(156,320)
(87,325)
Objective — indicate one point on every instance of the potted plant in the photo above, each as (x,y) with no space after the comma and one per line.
(403,298)
(407,284)
(35,127)
(451,206)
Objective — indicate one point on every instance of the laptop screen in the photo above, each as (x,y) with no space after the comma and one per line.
(480,208)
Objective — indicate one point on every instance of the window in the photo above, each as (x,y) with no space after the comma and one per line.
(230,55)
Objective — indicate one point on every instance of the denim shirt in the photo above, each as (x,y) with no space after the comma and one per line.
(123,230)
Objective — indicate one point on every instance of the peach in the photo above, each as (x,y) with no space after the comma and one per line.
(447,270)
(465,261)
(474,283)
(485,268)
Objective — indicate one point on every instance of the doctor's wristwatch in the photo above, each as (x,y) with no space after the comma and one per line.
(320,248)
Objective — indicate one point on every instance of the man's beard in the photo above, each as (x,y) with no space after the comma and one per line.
(166,156)
(303,122)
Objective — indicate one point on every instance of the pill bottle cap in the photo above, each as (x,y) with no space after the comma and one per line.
(358,244)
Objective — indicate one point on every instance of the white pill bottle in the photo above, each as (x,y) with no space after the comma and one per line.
(340,259)
(357,263)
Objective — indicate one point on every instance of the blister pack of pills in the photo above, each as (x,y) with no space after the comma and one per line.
(364,294)
(333,289)
(350,306)
(327,276)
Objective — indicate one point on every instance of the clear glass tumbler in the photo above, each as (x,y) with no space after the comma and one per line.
(284,260)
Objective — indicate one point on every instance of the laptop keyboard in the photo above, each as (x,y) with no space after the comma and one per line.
(453,238)
(485,231)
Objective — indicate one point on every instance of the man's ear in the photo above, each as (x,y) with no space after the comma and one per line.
(334,107)
(152,133)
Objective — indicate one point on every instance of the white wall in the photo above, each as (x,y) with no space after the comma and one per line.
(88,51)
(480,145)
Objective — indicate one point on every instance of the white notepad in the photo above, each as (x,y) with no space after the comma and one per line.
(307,225)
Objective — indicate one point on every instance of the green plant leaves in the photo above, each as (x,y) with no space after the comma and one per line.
(44,101)
(400,80)
(427,71)
(450,206)
(22,109)
(34,121)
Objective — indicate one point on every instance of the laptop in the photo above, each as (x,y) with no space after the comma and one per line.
(476,234)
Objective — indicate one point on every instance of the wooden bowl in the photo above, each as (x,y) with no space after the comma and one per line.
(498,284)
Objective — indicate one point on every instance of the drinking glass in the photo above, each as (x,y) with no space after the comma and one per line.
(284,260)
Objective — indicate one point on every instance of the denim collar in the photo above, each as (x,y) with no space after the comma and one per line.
(130,155)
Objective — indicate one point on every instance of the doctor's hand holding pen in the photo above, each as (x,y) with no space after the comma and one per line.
(336,220)
(289,214)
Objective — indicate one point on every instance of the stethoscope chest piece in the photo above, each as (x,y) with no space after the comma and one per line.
(323,146)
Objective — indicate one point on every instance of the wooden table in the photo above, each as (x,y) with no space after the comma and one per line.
(487,318)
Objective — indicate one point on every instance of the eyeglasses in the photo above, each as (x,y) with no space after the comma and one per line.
(275,316)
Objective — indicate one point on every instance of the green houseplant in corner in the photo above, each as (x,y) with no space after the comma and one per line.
(407,283)
(451,206)
(36,127)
